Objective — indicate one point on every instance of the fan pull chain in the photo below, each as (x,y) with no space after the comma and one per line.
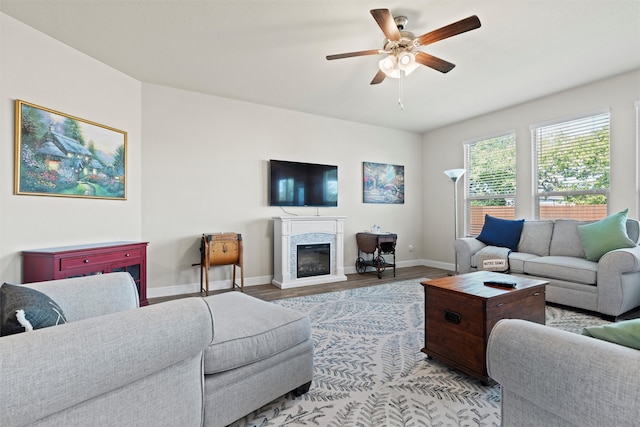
(401,90)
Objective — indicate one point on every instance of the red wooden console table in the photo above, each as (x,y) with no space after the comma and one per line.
(85,260)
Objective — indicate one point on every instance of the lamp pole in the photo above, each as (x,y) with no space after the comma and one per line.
(455,175)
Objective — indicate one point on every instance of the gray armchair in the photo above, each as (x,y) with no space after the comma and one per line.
(551,377)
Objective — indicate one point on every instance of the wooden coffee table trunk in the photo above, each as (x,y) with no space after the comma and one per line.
(461,311)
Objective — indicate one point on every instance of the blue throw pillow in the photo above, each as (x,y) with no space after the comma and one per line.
(501,232)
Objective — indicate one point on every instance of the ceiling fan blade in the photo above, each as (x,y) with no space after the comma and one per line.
(379,77)
(352,54)
(434,62)
(387,24)
(459,27)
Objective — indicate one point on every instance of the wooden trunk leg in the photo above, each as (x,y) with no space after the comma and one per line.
(233,282)
(201,275)
(241,278)
(206,272)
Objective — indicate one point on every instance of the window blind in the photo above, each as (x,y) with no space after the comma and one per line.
(572,166)
(490,165)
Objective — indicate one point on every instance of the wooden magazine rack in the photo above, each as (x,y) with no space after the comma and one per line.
(221,249)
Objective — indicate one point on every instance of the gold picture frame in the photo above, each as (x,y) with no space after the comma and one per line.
(60,155)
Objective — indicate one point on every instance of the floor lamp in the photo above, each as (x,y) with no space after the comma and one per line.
(455,175)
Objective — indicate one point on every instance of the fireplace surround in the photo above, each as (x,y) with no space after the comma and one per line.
(292,232)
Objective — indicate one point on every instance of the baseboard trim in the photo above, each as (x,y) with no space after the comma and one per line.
(214,285)
(217,285)
(439,264)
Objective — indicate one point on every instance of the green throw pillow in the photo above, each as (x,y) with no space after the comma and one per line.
(626,333)
(605,235)
(25,309)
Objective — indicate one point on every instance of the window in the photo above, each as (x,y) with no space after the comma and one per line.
(572,166)
(490,165)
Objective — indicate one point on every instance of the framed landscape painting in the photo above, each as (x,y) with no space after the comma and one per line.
(61,155)
(382,183)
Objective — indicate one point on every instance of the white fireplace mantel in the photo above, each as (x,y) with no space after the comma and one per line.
(289,231)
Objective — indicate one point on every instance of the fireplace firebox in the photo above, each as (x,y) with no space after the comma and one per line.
(313,260)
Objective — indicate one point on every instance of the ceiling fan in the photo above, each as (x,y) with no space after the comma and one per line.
(400,46)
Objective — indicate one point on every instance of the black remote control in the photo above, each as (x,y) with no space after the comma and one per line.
(500,284)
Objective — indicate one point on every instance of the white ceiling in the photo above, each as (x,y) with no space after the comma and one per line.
(273,52)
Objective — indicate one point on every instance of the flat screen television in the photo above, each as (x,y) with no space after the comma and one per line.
(302,184)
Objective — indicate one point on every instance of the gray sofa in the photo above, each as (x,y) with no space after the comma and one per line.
(552,251)
(555,378)
(163,365)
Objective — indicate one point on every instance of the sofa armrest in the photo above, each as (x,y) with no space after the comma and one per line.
(49,370)
(90,296)
(619,281)
(466,247)
(581,380)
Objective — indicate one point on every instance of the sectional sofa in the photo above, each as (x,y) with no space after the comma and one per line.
(186,362)
(553,250)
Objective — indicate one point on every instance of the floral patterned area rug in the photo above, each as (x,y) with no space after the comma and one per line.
(369,370)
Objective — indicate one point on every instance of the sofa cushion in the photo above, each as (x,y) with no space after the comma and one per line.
(517,260)
(501,232)
(247,330)
(571,269)
(626,333)
(605,235)
(25,309)
(565,240)
(536,237)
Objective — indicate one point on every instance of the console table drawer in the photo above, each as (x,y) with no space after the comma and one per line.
(84,260)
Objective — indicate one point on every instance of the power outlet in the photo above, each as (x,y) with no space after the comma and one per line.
(411,248)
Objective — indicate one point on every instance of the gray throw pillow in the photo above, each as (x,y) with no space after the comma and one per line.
(565,240)
(536,237)
(24,309)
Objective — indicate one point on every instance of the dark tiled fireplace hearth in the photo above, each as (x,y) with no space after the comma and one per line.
(314,260)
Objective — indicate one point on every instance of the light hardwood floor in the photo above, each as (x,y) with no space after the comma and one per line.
(269,292)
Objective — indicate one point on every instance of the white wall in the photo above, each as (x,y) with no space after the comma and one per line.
(40,70)
(201,167)
(205,170)
(443,149)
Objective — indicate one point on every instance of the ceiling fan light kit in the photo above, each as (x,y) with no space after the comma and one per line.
(393,64)
(399,46)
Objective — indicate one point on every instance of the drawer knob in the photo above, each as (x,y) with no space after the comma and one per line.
(127,255)
(86,261)
(536,294)
(452,316)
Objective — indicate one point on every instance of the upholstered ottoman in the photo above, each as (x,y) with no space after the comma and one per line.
(260,351)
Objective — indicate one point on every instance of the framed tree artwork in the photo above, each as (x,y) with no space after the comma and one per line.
(382,183)
(57,154)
